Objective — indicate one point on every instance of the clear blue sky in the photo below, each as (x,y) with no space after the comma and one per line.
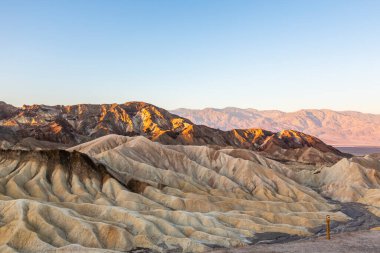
(279,54)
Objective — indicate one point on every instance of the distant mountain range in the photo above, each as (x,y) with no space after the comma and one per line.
(338,128)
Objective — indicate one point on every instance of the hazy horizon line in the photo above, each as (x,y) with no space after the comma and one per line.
(196,109)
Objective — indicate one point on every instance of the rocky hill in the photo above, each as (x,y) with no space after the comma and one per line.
(44,126)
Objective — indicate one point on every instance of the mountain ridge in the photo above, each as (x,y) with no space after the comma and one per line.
(75,124)
(338,128)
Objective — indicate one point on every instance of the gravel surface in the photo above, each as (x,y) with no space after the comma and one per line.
(346,237)
(350,242)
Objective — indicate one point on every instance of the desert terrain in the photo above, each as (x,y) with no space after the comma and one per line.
(134,177)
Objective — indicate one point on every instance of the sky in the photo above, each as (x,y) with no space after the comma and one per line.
(285,55)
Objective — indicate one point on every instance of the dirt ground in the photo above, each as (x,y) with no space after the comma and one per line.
(349,242)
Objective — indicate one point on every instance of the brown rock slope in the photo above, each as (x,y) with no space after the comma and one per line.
(70,125)
(133,192)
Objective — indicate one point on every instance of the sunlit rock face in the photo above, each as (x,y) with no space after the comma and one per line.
(63,126)
(120,193)
(78,123)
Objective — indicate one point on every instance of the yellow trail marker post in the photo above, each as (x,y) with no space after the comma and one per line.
(328,227)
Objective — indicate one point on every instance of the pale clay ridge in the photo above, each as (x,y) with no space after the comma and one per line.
(350,180)
(149,195)
(344,128)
